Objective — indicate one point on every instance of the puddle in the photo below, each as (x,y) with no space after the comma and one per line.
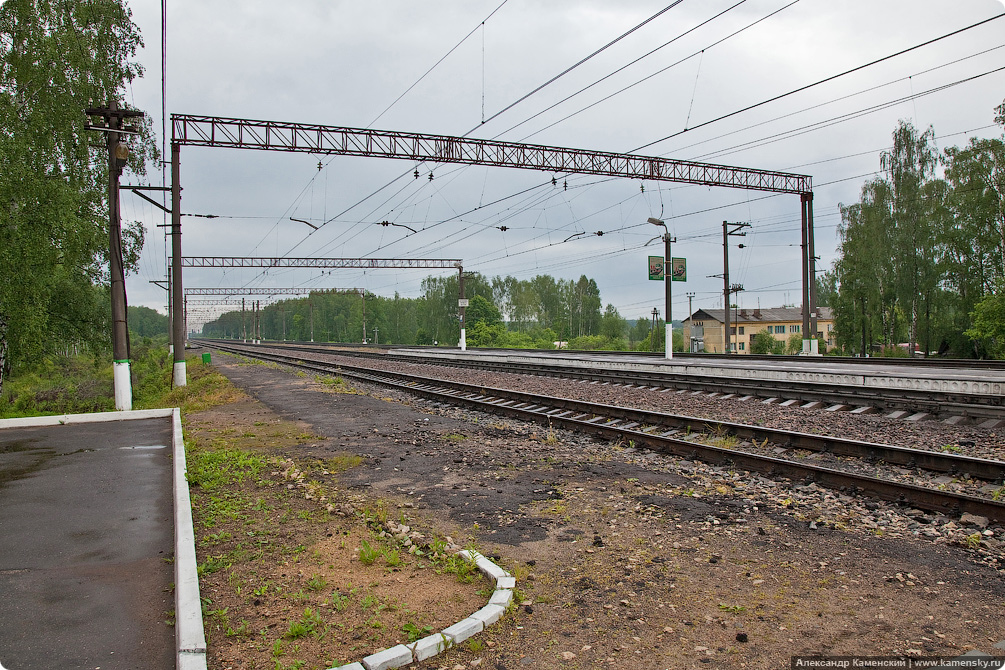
(152,446)
(78,451)
(15,446)
(11,473)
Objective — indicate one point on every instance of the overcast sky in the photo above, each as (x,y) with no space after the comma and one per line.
(346,63)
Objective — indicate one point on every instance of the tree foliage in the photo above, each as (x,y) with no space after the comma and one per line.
(501,312)
(56,59)
(147,322)
(919,252)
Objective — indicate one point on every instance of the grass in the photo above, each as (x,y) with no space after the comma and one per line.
(261,516)
(367,553)
(83,383)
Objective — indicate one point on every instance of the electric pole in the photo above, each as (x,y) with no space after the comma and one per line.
(690,296)
(652,329)
(462,304)
(728,229)
(118,154)
(667,277)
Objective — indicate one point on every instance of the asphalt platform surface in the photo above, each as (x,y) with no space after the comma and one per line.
(86,536)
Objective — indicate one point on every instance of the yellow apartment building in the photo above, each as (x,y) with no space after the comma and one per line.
(704,329)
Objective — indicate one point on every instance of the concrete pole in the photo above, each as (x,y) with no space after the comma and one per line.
(178,294)
(117,153)
(667,279)
(170,315)
(811,257)
(725,286)
(803,200)
(463,344)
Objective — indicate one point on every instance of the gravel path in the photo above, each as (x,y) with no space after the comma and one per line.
(626,557)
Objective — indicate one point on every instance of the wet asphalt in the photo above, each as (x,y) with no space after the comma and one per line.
(86,540)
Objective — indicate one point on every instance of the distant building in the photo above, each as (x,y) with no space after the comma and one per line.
(704,328)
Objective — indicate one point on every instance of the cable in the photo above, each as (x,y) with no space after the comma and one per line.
(660,71)
(822,81)
(828,102)
(620,69)
(788,134)
(463,40)
(573,67)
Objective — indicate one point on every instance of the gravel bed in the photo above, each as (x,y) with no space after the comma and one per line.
(930,435)
(734,495)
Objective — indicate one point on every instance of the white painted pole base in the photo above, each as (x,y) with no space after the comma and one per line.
(179,374)
(464,342)
(669,342)
(123,385)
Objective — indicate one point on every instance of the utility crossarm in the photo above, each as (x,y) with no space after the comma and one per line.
(269,291)
(214,131)
(345,263)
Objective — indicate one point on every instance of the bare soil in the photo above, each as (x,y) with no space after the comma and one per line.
(622,557)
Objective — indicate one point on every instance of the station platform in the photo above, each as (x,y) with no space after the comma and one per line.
(873,375)
(92,548)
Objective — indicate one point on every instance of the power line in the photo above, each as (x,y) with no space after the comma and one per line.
(788,134)
(822,81)
(660,71)
(573,67)
(621,69)
(443,58)
(833,100)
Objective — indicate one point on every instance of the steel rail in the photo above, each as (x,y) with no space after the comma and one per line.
(937,403)
(610,422)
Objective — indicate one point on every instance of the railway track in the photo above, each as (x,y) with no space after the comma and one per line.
(672,434)
(941,404)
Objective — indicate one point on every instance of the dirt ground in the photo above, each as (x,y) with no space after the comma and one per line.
(622,557)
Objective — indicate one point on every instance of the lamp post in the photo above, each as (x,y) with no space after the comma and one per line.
(667,275)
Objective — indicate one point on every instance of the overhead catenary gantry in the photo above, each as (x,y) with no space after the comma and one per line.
(214,131)
(264,290)
(229,293)
(326,263)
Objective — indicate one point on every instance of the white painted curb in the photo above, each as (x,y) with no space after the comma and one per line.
(453,635)
(189,633)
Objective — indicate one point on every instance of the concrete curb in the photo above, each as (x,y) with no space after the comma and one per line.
(97,417)
(189,633)
(402,655)
(190,638)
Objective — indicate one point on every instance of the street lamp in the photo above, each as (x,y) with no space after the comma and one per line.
(667,275)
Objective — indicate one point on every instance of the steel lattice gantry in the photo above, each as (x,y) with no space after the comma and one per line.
(230,293)
(214,131)
(267,291)
(343,263)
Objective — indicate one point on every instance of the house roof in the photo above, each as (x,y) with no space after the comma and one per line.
(768,315)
